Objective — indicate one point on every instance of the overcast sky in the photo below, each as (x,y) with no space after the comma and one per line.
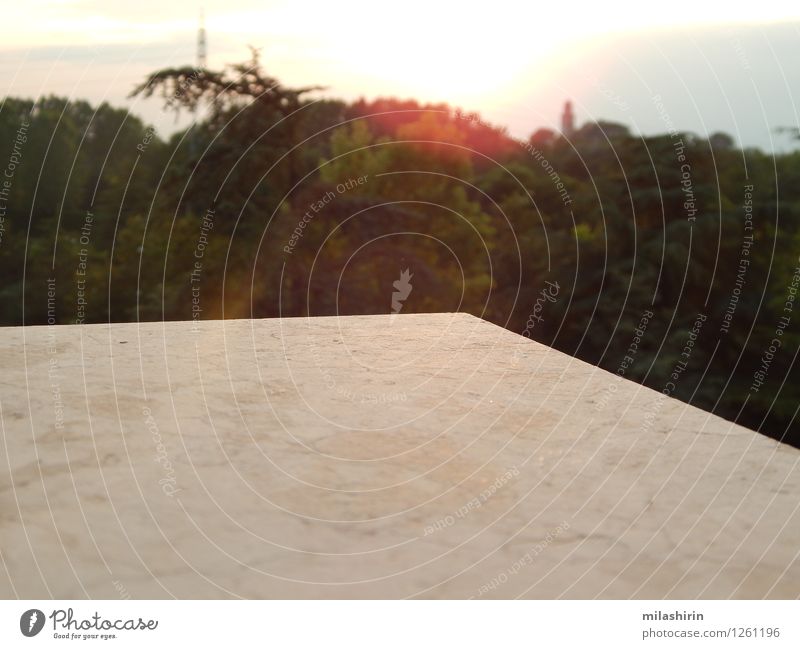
(734,71)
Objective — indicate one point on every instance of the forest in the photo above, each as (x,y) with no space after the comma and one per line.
(669,260)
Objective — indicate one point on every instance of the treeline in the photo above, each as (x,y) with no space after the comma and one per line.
(671,260)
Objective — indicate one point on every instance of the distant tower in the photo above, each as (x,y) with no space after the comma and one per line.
(567,120)
(201,43)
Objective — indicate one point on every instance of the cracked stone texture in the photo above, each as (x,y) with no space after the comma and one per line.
(428,455)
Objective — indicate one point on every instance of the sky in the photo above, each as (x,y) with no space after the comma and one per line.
(513,62)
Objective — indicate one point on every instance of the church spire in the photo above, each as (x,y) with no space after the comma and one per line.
(567,120)
(201,42)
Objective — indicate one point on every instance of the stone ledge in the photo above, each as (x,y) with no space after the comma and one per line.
(428,455)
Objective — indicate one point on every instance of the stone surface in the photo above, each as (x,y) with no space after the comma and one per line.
(409,456)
